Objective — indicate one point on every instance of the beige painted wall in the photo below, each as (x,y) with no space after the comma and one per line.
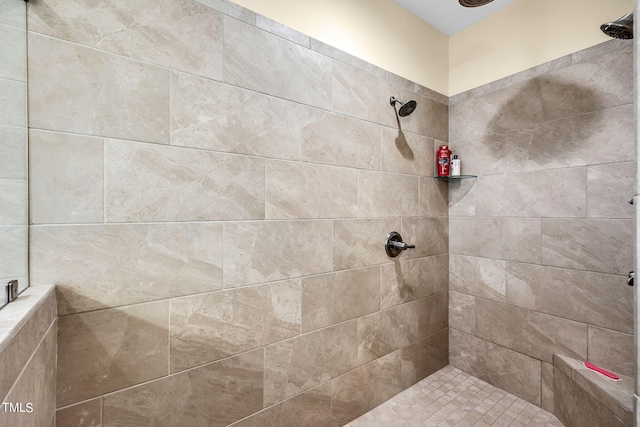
(525,34)
(521,36)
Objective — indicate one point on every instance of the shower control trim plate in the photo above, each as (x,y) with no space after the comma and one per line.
(394,244)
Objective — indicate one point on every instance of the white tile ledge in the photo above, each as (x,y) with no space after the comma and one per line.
(15,315)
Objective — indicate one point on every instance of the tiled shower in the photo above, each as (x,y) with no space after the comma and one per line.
(210,192)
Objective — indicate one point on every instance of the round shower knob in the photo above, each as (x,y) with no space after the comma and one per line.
(394,244)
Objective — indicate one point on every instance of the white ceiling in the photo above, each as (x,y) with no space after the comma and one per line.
(448,16)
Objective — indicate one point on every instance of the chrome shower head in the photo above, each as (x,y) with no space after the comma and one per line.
(406,107)
(621,28)
(474,3)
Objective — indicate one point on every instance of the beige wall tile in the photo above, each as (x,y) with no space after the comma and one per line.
(546,402)
(160,32)
(574,407)
(302,190)
(339,140)
(147,182)
(231,9)
(215,116)
(93,359)
(481,277)
(597,245)
(609,188)
(333,298)
(258,252)
(514,239)
(387,194)
(462,197)
(14,200)
(94,266)
(13,51)
(15,251)
(434,196)
(303,362)
(67,178)
(13,152)
(574,90)
(430,118)
(597,299)
(404,152)
(430,235)
(557,193)
(311,408)
(13,103)
(281,30)
(96,93)
(360,242)
(433,312)
(258,60)
(364,388)
(617,397)
(424,357)
(487,153)
(209,327)
(408,280)
(462,312)
(361,95)
(36,385)
(573,141)
(214,395)
(611,350)
(529,332)
(85,414)
(509,370)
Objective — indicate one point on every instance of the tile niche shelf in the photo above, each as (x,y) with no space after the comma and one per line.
(455,178)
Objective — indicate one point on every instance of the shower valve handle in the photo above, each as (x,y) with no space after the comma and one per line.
(394,244)
(402,245)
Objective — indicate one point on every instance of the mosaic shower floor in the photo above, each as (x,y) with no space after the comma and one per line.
(451,398)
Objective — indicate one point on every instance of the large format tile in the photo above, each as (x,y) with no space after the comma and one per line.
(336,297)
(361,95)
(303,362)
(429,235)
(14,199)
(13,152)
(232,9)
(67,178)
(35,386)
(462,312)
(612,350)
(93,267)
(311,408)
(14,247)
(408,153)
(412,279)
(360,242)
(424,357)
(511,371)
(594,298)
(535,334)
(13,51)
(513,239)
(214,395)
(609,188)
(387,194)
(487,154)
(340,140)
(209,327)
(108,350)
(81,90)
(481,277)
(255,59)
(303,190)
(558,193)
(257,252)
(216,116)
(604,245)
(177,34)
(433,197)
(281,30)
(85,414)
(149,182)
(13,103)
(430,118)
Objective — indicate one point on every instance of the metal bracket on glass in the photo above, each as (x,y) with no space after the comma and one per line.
(12,290)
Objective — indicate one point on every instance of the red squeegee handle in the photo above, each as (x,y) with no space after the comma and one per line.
(602,371)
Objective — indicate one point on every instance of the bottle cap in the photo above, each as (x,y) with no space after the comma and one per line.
(455,156)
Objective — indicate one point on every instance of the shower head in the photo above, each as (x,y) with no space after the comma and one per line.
(406,107)
(474,3)
(620,29)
